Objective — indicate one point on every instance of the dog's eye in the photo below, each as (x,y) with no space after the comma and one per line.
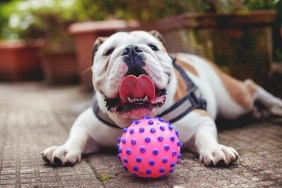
(153,47)
(109,52)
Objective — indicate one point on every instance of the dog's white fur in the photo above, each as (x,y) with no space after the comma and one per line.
(197,130)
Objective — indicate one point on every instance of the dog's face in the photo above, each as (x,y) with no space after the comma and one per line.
(131,73)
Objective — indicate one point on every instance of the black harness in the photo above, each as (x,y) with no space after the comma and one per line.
(192,100)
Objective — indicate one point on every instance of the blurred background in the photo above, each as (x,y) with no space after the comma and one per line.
(51,40)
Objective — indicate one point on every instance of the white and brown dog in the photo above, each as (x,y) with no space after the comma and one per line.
(134,76)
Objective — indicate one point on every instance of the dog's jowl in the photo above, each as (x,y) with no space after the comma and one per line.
(134,76)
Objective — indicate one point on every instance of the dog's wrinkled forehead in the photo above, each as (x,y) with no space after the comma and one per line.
(132,38)
(123,39)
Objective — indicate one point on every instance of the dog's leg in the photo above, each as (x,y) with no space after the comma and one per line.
(203,139)
(272,104)
(210,151)
(79,142)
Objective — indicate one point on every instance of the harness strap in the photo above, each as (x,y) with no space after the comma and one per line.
(193,100)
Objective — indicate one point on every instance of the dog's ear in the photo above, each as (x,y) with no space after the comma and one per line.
(157,35)
(99,41)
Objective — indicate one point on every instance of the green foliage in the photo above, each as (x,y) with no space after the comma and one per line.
(49,19)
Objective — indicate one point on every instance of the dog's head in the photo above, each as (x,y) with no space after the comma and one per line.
(131,73)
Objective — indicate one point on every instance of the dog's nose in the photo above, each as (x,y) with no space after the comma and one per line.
(131,49)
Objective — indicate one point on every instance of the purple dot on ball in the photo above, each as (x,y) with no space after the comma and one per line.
(178,143)
(150,122)
(155,151)
(177,134)
(137,122)
(172,138)
(146,117)
(160,138)
(172,164)
(161,170)
(162,127)
(117,145)
(139,159)
(141,129)
(170,127)
(164,160)
(135,168)
(153,130)
(124,130)
(131,131)
(161,177)
(125,160)
(148,171)
(119,150)
(174,153)
(147,139)
(178,162)
(171,170)
(123,140)
(166,147)
(135,175)
(128,151)
(124,167)
(119,139)
(143,149)
(119,157)
(179,156)
(133,142)
(161,119)
(151,162)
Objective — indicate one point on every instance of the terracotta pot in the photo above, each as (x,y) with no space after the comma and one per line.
(239,43)
(60,68)
(20,60)
(85,34)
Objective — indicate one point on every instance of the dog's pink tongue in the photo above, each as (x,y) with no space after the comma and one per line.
(134,87)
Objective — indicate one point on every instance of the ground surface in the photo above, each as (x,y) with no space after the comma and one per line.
(34,116)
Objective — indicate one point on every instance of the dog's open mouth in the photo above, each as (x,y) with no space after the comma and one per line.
(136,93)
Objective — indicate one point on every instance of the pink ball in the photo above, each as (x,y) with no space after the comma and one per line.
(149,148)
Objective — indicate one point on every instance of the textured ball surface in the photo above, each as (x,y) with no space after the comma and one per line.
(149,148)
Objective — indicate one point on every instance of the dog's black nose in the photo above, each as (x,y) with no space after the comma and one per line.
(134,57)
(131,49)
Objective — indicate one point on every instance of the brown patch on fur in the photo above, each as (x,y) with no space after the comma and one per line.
(187,67)
(202,112)
(181,85)
(241,92)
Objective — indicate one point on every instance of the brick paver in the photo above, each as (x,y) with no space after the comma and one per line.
(34,116)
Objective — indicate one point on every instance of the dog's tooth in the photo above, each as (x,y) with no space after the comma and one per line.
(128,98)
(146,98)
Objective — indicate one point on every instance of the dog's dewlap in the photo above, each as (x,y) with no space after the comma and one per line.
(149,148)
(135,89)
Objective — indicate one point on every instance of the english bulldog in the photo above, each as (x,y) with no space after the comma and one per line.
(134,77)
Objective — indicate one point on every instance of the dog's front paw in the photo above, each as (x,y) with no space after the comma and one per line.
(59,156)
(214,155)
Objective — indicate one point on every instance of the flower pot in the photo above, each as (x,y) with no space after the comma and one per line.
(20,60)
(60,68)
(85,34)
(239,43)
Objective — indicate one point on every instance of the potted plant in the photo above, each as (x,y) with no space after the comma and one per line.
(49,20)
(19,59)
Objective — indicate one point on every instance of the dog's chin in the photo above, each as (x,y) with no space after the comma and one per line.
(136,108)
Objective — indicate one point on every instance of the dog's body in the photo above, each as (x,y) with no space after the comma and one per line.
(133,76)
